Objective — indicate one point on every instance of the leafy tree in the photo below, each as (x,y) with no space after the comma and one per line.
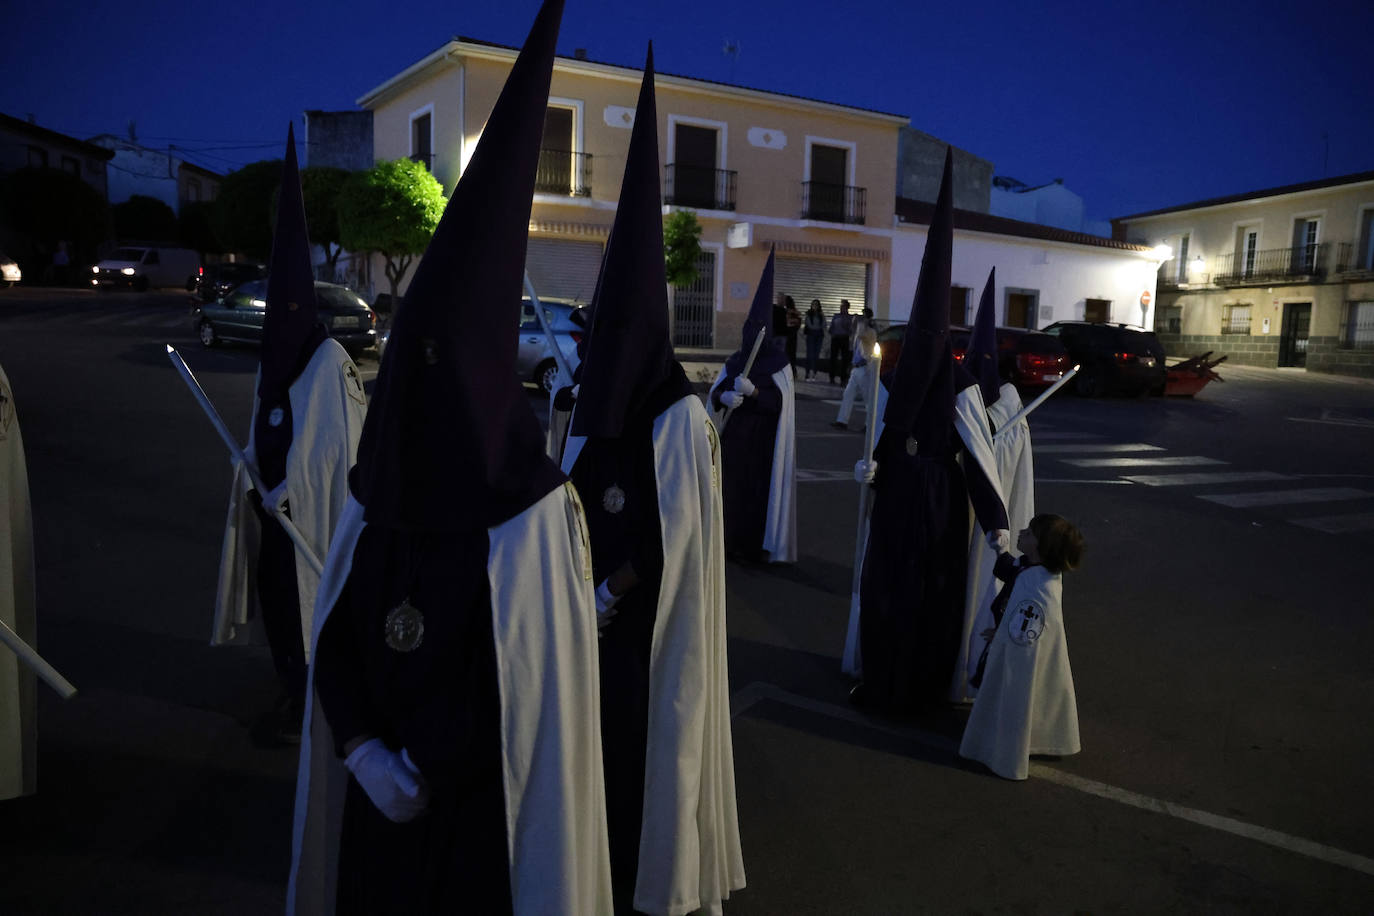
(196,227)
(320,185)
(243,209)
(144,218)
(40,207)
(681,247)
(392,209)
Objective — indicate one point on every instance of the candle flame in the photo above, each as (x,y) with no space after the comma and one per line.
(877,352)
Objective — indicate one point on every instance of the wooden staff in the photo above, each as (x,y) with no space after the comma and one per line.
(875,363)
(1021,414)
(753,355)
(558,356)
(29,656)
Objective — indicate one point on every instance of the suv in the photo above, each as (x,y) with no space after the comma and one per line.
(215,281)
(1113,358)
(1027,359)
(534,361)
(239,316)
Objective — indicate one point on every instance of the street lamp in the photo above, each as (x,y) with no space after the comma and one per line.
(1163,252)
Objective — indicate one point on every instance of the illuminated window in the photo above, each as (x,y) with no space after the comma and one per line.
(1235,319)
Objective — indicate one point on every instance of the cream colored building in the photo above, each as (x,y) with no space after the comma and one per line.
(815,180)
(1281,277)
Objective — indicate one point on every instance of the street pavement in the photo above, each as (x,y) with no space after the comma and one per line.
(1219,630)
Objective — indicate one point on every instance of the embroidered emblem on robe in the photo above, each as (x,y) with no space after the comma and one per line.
(405,627)
(613,500)
(1026,624)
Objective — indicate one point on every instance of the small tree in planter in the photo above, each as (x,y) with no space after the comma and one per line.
(392,209)
(681,247)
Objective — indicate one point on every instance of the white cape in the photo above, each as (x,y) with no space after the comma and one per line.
(18,684)
(1027,704)
(1012,453)
(328,407)
(780,528)
(546,660)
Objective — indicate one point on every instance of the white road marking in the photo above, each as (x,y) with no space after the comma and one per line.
(1339,524)
(1117,481)
(805,475)
(1285,497)
(1051,434)
(1193,480)
(1169,461)
(1345,421)
(1090,447)
(752,693)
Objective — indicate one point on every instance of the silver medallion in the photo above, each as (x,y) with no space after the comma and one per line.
(405,627)
(911,446)
(613,500)
(275,417)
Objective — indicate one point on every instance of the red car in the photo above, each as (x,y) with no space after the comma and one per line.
(1027,359)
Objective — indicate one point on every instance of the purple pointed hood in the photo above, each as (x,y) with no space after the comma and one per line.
(450,442)
(291,330)
(630,370)
(772,356)
(981,357)
(921,399)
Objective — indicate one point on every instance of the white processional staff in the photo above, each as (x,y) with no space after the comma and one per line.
(1021,415)
(875,363)
(558,356)
(748,366)
(237,453)
(29,656)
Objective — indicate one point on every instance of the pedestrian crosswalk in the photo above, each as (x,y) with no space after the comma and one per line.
(102,313)
(1276,492)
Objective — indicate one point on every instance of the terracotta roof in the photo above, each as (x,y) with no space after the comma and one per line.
(1352,178)
(52,136)
(919,211)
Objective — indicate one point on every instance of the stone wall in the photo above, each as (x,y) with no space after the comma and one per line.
(1240,349)
(1325,354)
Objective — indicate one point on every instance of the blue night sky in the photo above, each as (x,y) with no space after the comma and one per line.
(1136,106)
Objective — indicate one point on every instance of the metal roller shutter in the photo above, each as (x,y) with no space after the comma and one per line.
(828,281)
(561,269)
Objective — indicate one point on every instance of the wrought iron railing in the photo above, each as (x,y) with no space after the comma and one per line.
(1272,265)
(564,172)
(1352,258)
(833,203)
(1235,319)
(698,186)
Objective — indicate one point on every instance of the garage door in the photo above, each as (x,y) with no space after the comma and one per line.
(563,270)
(829,281)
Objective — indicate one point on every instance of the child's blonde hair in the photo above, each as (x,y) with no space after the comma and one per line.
(1058,542)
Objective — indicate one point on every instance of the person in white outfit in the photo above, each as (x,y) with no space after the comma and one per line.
(865,337)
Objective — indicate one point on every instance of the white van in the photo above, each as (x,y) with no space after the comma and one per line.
(144,267)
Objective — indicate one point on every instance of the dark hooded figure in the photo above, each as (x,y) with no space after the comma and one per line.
(755,414)
(307,418)
(455,663)
(644,455)
(912,589)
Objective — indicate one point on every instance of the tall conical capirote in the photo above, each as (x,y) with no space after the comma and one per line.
(980,359)
(450,442)
(921,394)
(630,353)
(772,356)
(290,330)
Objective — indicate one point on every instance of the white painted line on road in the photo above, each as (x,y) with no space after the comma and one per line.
(1113,482)
(1285,497)
(1168,461)
(1350,421)
(751,694)
(1051,434)
(1339,524)
(835,435)
(1090,447)
(1193,480)
(805,475)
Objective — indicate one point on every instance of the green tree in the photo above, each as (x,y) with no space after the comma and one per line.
(243,209)
(40,207)
(320,185)
(144,218)
(392,209)
(681,247)
(196,227)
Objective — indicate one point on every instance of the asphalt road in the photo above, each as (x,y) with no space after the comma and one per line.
(1220,634)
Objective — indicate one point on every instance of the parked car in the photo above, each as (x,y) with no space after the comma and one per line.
(215,281)
(535,361)
(1027,359)
(1112,358)
(239,316)
(9,270)
(145,267)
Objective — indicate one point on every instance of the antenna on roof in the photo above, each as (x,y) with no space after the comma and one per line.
(731,52)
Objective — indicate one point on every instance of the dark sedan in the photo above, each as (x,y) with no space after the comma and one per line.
(215,281)
(239,316)
(1027,359)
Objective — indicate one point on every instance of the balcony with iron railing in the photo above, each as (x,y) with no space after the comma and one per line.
(1354,259)
(1295,264)
(699,187)
(563,172)
(833,203)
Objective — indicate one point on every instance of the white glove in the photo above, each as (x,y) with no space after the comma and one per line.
(744,386)
(605,604)
(391,780)
(865,470)
(1000,540)
(577,389)
(732,399)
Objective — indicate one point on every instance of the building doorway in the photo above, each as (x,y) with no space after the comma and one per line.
(694,307)
(1022,305)
(1097,310)
(1297,317)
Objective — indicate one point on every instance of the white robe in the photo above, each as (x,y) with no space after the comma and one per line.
(1026,705)
(18,684)
(328,407)
(1012,454)
(544,626)
(851,660)
(780,527)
